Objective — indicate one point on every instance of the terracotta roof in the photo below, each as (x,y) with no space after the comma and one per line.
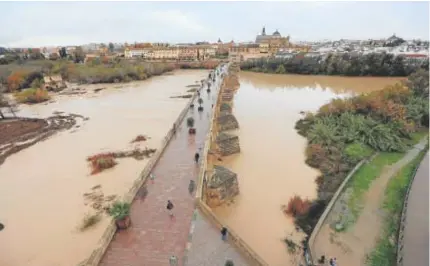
(415,55)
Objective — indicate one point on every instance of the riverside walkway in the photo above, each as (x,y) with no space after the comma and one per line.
(416,234)
(153,236)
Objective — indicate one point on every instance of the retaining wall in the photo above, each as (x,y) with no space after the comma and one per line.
(234,238)
(104,241)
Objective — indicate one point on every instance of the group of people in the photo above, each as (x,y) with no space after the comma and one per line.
(332,261)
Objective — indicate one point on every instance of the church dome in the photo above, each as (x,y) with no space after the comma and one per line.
(276,33)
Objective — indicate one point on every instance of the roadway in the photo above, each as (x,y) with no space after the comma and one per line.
(416,234)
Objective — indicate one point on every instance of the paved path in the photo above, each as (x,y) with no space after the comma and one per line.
(153,236)
(207,248)
(416,234)
(351,246)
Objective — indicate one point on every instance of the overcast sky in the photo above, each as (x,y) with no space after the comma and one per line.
(33,24)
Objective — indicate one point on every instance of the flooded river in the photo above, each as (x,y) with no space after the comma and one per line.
(42,187)
(271,166)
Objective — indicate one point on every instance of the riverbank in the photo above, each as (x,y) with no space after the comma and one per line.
(31,73)
(342,132)
(372,64)
(57,176)
(17,134)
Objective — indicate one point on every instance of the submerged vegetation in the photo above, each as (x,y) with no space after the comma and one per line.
(139,138)
(373,64)
(100,162)
(297,206)
(345,131)
(32,96)
(89,221)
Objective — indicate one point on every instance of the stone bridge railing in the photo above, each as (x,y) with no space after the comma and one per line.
(252,257)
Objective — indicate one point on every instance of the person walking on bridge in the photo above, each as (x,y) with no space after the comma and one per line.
(196,157)
(169,208)
(224,233)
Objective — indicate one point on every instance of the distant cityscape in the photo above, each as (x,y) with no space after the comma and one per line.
(264,45)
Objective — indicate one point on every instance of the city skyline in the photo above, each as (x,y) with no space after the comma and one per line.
(45,23)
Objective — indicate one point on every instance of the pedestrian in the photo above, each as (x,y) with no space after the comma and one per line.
(152,177)
(196,157)
(191,186)
(169,208)
(224,233)
(173,260)
(332,262)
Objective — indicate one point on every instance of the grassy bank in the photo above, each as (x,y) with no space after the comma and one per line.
(345,131)
(364,177)
(385,251)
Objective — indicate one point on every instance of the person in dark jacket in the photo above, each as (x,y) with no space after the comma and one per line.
(169,208)
(196,157)
(224,233)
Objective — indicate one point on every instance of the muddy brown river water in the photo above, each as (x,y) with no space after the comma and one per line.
(42,187)
(271,166)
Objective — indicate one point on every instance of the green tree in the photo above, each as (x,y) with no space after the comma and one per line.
(36,84)
(63,52)
(79,55)
(111,47)
(418,82)
(280,69)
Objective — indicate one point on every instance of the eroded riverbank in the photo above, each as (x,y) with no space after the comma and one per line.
(42,186)
(271,165)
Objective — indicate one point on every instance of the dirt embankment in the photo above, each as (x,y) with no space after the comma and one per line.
(19,133)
